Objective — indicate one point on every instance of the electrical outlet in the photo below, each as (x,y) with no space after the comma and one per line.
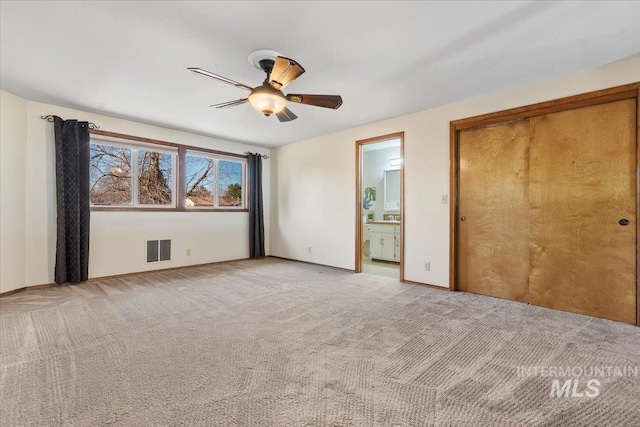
(188,252)
(445,199)
(427,266)
(309,249)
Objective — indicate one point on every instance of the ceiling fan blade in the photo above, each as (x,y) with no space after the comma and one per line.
(326,101)
(286,115)
(230,103)
(206,73)
(284,71)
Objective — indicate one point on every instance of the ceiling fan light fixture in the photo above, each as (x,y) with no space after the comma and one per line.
(267,100)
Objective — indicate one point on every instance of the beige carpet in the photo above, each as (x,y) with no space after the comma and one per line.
(278,343)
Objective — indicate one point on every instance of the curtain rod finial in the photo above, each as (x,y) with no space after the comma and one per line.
(50,119)
(264,156)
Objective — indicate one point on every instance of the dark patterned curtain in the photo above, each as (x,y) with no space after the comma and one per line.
(72,192)
(256,220)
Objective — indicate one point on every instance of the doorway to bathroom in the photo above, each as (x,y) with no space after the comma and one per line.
(379,206)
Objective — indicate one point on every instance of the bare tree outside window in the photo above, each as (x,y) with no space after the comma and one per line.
(154,178)
(110,175)
(140,175)
(201,182)
(200,177)
(229,183)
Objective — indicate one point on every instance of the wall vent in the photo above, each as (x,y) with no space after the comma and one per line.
(158,251)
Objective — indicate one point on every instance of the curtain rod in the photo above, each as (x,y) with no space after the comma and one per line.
(264,156)
(49,118)
(92,125)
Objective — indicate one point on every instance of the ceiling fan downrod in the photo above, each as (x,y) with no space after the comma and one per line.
(267,66)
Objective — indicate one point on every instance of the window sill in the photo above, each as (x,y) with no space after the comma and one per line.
(130,209)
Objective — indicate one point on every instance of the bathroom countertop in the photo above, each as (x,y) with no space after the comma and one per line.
(384,222)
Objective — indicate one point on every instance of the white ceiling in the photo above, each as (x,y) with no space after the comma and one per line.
(129,59)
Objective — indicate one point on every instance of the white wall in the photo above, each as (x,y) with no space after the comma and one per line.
(28,220)
(13,144)
(316,178)
(309,189)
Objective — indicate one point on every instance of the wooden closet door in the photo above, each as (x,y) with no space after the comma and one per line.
(582,185)
(493,211)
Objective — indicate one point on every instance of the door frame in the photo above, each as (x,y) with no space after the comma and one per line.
(359,197)
(629,91)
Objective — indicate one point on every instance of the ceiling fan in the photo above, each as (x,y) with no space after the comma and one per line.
(268,97)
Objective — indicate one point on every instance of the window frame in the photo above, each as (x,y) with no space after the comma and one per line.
(135,170)
(196,152)
(135,149)
(179,153)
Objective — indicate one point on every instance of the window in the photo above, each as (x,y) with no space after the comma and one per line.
(110,175)
(155,182)
(213,181)
(201,178)
(144,174)
(130,175)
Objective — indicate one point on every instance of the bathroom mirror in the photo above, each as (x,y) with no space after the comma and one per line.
(392,190)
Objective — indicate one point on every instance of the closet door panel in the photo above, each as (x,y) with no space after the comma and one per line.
(493,239)
(582,184)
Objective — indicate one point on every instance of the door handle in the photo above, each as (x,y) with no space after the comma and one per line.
(623,222)
(463,218)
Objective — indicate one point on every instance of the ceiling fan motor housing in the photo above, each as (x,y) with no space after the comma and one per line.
(267,66)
